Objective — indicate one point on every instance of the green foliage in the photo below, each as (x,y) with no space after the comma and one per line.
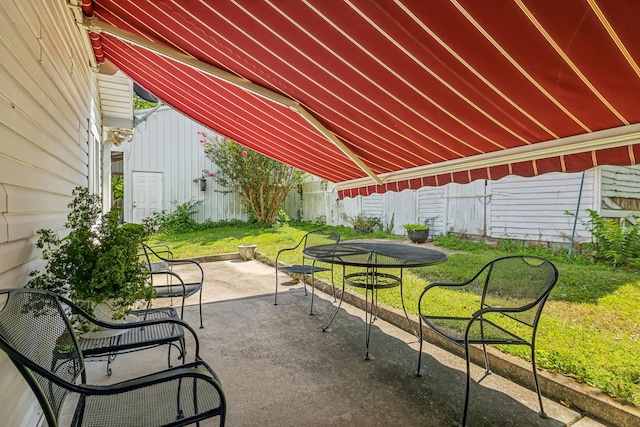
(97,261)
(453,241)
(141,104)
(117,187)
(415,227)
(262,183)
(180,220)
(282,217)
(362,223)
(616,244)
(390,225)
(320,221)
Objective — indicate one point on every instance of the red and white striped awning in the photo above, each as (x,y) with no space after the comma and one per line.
(379,95)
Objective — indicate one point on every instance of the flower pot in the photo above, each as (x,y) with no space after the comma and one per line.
(105,312)
(418,236)
(247,252)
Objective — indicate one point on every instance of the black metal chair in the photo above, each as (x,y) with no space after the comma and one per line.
(504,301)
(37,335)
(312,238)
(135,334)
(169,284)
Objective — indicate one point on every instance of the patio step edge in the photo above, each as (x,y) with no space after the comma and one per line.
(558,387)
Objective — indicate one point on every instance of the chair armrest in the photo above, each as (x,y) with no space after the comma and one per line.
(198,370)
(137,324)
(439,285)
(168,273)
(177,261)
(293,248)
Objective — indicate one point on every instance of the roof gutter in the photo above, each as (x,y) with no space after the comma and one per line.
(94,25)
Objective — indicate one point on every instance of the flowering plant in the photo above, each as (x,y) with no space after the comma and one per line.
(262,182)
(205,174)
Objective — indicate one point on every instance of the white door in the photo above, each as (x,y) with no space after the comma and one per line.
(147,194)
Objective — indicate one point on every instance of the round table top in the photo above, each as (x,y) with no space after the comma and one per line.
(374,253)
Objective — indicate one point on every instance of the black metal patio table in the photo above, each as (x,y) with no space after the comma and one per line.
(372,256)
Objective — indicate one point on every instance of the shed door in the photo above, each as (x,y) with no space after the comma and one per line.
(147,194)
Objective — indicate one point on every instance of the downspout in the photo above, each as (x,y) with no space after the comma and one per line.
(575,218)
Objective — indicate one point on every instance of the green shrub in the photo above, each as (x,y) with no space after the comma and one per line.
(97,261)
(179,221)
(616,244)
(363,223)
(261,182)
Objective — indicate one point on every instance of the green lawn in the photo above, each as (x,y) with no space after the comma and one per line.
(590,328)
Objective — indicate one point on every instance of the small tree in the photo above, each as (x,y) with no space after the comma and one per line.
(262,183)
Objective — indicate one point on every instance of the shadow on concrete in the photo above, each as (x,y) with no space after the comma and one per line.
(278,368)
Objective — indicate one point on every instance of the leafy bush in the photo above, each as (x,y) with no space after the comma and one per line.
(97,261)
(262,182)
(179,221)
(617,244)
(363,223)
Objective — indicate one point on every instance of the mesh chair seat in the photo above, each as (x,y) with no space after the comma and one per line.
(191,398)
(483,331)
(303,269)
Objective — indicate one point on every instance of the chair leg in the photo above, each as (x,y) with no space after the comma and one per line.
(467,385)
(333,284)
(275,298)
(418,373)
(313,291)
(304,283)
(542,414)
(487,369)
(200,304)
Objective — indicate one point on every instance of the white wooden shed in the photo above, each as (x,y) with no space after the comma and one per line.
(160,164)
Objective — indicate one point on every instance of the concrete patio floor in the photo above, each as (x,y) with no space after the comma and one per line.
(279,369)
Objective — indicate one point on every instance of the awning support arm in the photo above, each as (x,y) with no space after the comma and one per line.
(95,25)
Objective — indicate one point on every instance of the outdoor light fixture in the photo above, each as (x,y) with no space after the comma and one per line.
(117,136)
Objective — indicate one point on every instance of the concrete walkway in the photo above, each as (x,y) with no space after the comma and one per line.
(279,369)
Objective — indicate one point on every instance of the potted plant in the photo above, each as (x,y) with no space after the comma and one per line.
(97,262)
(417,233)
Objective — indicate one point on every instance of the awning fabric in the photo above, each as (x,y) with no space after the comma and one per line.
(380,95)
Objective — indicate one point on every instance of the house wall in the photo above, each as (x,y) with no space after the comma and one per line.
(168,142)
(48,122)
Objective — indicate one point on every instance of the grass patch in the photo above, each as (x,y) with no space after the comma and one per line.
(590,328)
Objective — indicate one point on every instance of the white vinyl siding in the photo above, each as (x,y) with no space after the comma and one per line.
(168,142)
(531,209)
(534,208)
(48,99)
